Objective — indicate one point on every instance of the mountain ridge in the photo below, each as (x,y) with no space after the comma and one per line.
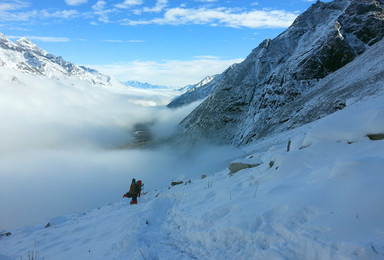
(196,92)
(25,56)
(143,85)
(243,106)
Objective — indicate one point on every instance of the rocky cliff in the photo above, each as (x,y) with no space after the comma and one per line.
(269,89)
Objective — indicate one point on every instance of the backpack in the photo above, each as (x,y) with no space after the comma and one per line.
(139,185)
(133,189)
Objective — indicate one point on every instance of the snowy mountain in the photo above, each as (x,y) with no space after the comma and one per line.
(315,192)
(309,188)
(141,85)
(196,92)
(295,78)
(23,55)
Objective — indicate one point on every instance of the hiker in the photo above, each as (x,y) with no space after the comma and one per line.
(134,190)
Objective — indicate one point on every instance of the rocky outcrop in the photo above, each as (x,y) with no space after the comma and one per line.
(262,94)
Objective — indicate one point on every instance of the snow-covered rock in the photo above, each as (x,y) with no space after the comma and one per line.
(293,79)
(240,164)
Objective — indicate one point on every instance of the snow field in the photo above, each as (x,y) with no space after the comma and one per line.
(321,200)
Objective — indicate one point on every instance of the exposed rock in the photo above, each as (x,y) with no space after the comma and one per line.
(289,146)
(271,163)
(288,81)
(6,234)
(376,137)
(174,183)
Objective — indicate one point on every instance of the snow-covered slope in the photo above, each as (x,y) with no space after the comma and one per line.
(319,199)
(25,56)
(196,92)
(317,193)
(262,94)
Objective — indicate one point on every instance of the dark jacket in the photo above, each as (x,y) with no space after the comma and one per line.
(134,189)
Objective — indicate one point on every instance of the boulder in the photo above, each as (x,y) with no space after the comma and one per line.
(238,165)
(376,137)
(174,183)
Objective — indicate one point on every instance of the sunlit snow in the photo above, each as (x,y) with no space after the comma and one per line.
(322,199)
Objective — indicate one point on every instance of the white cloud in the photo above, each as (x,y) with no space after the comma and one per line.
(160,5)
(50,39)
(75,2)
(135,41)
(65,14)
(100,5)
(167,72)
(9,11)
(222,16)
(230,17)
(42,38)
(12,5)
(34,14)
(100,10)
(205,57)
(122,41)
(129,3)
(8,8)
(19,16)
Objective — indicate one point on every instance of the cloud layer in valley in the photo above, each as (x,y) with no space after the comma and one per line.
(61,147)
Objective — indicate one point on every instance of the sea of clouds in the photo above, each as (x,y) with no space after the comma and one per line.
(61,147)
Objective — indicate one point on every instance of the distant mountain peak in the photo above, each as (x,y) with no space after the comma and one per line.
(195,92)
(143,85)
(28,44)
(3,37)
(25,56)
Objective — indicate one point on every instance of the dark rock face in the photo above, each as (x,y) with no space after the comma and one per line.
(247,103)
(366,21)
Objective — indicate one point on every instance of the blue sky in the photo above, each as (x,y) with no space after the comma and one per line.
(164,42)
